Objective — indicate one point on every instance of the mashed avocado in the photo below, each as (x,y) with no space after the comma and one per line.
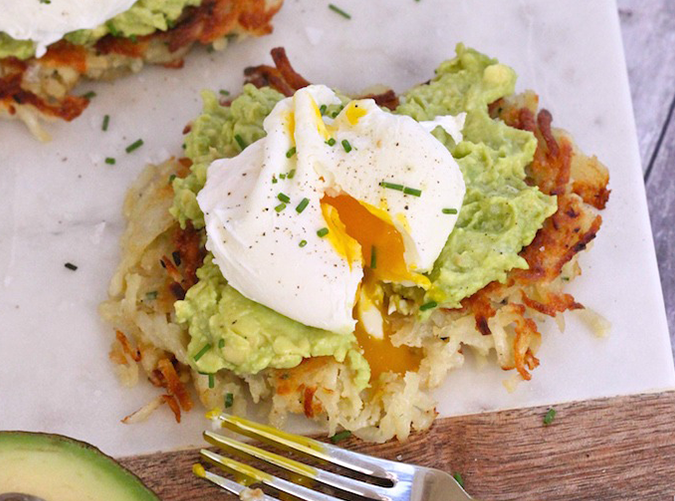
(499,216)
(143,18)
(247,337)
(500,213)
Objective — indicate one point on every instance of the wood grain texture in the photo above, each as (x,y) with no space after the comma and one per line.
(661,199)
(609,449)
(648,29)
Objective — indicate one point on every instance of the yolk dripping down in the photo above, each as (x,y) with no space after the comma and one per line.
(383,250)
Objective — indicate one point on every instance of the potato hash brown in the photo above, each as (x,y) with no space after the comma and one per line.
(159,256)
(41,88)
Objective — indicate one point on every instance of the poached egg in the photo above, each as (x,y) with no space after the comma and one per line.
(47,22)
(312,218)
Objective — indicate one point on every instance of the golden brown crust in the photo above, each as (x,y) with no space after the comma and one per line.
(207,23)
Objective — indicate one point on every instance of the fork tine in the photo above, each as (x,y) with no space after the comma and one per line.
(224,483)
(350,460)
(237,468)
(297,468)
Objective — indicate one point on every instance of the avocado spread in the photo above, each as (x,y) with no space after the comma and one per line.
(143,18)
(499,216)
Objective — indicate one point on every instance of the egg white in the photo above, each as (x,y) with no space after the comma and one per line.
(271,253)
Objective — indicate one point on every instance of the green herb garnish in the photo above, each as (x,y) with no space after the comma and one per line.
(89,95)
(346,145)
(221,343)
(110,161)
(392,186)
(549,417)
(283,197)
(373,257)
(229,400)
(291,174)
(134,146)
(331,142)
(70,266)
(280,207)
(459,479)
(302,205)
(106,122)
(412,191)
(202,352)
(151,295)
(428,306)
(224,92)
(302,243)
(339,437)
(291,152)
(338,10)
(322,109)
(449,211)
(322,232)
(240,141)
(212,380)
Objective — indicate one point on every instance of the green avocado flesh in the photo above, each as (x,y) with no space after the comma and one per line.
(499,216)
(143,18)
(56,468)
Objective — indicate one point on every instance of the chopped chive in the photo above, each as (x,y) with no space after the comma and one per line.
(171,178)
(282,176)
(106,122)
(392,186)
(112,29)
(322,232)
(202,352)
(331,142)
(283,197)
(221,343)
(183,146)
(89,95)
(240,141)
(339,437)
(373,257)
(274,180)
(291,152)
(302,243)
(412,191)
(335,114)
(229,400)
(458,476)
(428,306)
(133,39)
(338,10)
(302,205)
(134,146)
(224,92)
(549,417)
(110,161)
(291,174)
(323,109)
(449,211)
(210,49)
(346,145)
(70,266)
(280,207)
(151,295)
(212,381)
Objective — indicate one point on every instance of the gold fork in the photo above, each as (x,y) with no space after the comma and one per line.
(383,480)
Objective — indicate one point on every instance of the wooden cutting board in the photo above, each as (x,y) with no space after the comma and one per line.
(606,449)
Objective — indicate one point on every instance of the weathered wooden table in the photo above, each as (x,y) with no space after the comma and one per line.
(609,449)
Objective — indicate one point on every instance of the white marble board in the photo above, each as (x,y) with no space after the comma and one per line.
(61,203)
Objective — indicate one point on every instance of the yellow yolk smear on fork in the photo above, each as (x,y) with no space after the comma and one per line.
(374,233)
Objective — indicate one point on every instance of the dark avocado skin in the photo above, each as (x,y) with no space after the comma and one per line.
(94,457)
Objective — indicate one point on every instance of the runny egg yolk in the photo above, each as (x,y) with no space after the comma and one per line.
(383,250)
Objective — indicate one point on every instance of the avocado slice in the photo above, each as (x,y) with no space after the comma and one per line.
(58,468)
